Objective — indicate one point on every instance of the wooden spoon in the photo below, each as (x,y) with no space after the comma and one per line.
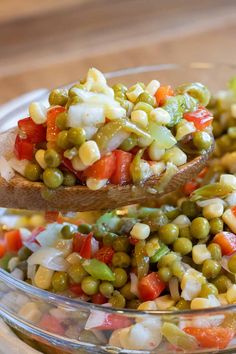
(20,193)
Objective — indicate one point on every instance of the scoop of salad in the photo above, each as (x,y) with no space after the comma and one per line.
(96,135)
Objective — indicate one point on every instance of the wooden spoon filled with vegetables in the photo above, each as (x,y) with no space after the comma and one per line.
(96,147)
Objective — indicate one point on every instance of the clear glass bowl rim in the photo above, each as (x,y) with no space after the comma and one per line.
(65,301)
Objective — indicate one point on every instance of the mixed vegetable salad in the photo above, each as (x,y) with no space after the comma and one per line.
(94,134)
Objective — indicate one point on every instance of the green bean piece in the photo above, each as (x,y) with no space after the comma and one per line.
(106,289)
(61,120)
(136,169)
(5,260)
(208,289)
(142,259)
(98,270)
(52,158)
(146,98)
(133,304)
(202,140)
(32,171)
(168,260)
(143,106)
(215,251)
(84,228)
(90,285)
(200,228)
(67,232)
(232,263)
(126,292)
(58,97)
(185,232)
(120,277)
(117,300)
(60,281)
(69,179)
(211,268)
(211,191)
(165,274)
(121,259)
(76,136)
(168,233)
(178,338)
(52,177)
(183,305)
(183,246)
(177,269)
(172,213)
(223,283)
(62,140)
(197,91)
(177,105)
(24,253)
(163,250)
(77,273)
(190,209)
(109,238)
(216,226)
(121,244)
(129,143)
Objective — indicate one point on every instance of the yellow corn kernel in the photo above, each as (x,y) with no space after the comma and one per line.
(155,152)
(223,299)
(74,258)
(115,112)
(39,157)
(152,246)
(95,184)
(184,128)
(233,110)
(38,112)
(164,302)
(89,152)
(77,164)
(228,180)
(152,87)
(43,278)
(36,220)
(140,231)
(147,306)
(140,117)
(230,220)
(30,312)
(158,167)
(134,92)
(160,116)
(200,253)
(212,211)
(176,156)
(231,294)
(200,303)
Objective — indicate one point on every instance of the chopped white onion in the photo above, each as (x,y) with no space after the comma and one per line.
(18,165)
(84,114)
(6,171)
(203,203)
(50,258)
(32,246)
(134,284)
(96,319)
(174,288)
(50,235)
(95,245)
(115,141)
(231,199)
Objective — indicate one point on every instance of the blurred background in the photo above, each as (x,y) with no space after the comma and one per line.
(52,42)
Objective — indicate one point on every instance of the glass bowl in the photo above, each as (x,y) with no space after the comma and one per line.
(55,324)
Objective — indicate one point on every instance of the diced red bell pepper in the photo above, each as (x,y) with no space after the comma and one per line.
(35,133)
(212,337)
(86,249)
(3,248)
(13,240)
(51,216)
(51,324)
(163,93)
(226,241)
(150,287)
(99,299)
(201,118)
(103,168)
(68,165)
(113,322)
(104,254)
(76,289)
(133,240)
(52,129)
(190,187)
(23,149)
(121,174)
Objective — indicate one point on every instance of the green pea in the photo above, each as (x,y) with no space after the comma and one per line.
(147,98)
(168,233)
(183,246)
(189,209)
(90,286)
(108,238)
(126,292)
(76,136)
(165,274)
(129,143)
(117,300)
(215,251)
(77,273)
(99,231)
(142,106)
(211,268)
(121,244)
(52,177)
(232,263)
(84,228)
(208,289)
(120,277)
(202,140)
(52,158)
(200,228)
(60,281)
(216,226)
(133,304)
(24,253)
(177,269)
(69,179)
(62,140)
(58,97)
(168,260)
(121,259)
(183,305)
(106,289)
(33,172)
(61,120)
(67,231)
(185,232)
(223,283)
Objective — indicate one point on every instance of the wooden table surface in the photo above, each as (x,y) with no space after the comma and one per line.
(55,42)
